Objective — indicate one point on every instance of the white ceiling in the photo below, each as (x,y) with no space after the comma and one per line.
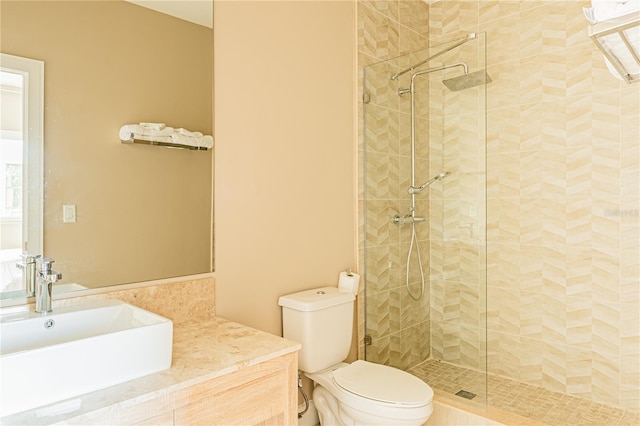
(197,11)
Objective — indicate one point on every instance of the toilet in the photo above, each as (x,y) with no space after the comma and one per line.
(360,393)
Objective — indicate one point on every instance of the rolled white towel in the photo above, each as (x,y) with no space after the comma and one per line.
(185,132)
(603,10)
(202,141)
(167,131)
(127,130)
(135,129)
(166,134)
(153,126)
(206,141)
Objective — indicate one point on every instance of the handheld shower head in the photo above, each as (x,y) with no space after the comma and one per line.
(419,189)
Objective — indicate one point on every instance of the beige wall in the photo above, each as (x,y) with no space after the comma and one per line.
(285,152)
(142,212)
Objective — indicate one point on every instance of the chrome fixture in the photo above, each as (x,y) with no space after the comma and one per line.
(467,80)
(44,283)
(464,81)
(401,220)
(28,267)
(612,38)
(414,190)
(471,36)
(461,82)
(411,88)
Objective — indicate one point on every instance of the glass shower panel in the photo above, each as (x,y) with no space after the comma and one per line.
(443,258)
(397,325)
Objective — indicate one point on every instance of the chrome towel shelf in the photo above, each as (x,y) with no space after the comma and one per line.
(619,40)
(165,144)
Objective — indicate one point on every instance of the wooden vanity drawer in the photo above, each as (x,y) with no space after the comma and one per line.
(260,394)
(247,404)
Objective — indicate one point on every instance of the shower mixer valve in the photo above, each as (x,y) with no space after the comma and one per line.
(401,220)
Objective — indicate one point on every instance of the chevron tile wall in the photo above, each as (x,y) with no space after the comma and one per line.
(397,324)
(562,258)
(563,211)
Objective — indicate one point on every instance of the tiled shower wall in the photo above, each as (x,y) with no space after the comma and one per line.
(563,193)
(398,325)
(563,213)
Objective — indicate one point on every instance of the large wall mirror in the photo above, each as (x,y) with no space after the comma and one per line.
(140,212)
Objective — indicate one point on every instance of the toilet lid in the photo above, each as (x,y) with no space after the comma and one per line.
(383,383)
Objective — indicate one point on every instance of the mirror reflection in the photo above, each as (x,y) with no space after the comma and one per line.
(112,213)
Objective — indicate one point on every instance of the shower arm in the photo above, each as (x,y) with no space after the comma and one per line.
(464,66)
(412,206)
(471,36)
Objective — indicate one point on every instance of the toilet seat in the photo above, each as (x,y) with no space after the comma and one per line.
(393,407)
(383,384)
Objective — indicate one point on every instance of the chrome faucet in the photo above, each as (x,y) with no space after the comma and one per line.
(28,267)
(44,283)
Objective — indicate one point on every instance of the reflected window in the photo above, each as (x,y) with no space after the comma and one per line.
(12,207)
(21,113)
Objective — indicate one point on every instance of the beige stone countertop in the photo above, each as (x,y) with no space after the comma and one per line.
(201,351)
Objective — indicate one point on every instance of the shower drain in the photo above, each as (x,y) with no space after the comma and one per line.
(466,394)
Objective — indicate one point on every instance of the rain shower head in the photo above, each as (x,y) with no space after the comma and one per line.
(467,80)
(419,189)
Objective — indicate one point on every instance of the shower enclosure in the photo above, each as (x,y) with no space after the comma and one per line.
(424,208)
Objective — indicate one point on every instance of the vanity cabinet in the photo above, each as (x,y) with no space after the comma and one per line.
(261,394)
(222,374)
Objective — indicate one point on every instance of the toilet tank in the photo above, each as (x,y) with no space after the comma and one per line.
(321,320)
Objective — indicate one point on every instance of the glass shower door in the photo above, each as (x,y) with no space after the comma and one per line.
(439,142)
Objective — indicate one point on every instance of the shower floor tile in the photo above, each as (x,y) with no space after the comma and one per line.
(533,402)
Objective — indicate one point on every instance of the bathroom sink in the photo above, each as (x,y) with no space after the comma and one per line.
(78,349)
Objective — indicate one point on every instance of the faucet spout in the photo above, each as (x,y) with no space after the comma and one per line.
(28,267)
(44,284)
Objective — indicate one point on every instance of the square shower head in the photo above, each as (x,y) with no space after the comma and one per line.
(465,81)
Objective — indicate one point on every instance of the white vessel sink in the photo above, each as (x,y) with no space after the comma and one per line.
(76,350)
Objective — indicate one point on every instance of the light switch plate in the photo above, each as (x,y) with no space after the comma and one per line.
(69,213)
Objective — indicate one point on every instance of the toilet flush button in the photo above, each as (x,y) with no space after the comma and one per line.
(320,292)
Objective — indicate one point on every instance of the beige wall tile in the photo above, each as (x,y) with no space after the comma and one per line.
(563,195)
(560,163)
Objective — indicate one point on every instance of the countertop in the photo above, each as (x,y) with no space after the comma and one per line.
(202,351)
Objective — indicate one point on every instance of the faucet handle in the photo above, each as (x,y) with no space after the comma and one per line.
(45,270)
(27,259)
(44,264)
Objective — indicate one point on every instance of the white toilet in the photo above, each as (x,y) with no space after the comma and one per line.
(360,393)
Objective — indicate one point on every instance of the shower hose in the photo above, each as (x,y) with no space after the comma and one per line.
(414,241)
